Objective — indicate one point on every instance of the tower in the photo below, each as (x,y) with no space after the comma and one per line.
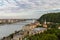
(45,24)
(45,21)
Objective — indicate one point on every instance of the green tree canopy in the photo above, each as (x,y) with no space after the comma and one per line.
(49,37)
(50,17)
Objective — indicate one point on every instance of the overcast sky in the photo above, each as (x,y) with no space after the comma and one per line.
(26,8)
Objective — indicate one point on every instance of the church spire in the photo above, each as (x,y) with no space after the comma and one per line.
(45,21)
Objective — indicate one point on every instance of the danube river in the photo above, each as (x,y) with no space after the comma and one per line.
(8,29)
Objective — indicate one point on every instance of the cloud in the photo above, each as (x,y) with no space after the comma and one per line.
(30,4)
(27,7)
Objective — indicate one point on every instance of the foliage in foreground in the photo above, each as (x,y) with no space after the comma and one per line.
(50,34)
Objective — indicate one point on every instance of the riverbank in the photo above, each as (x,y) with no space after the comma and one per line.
(7,29)
(28,29)
(10,21)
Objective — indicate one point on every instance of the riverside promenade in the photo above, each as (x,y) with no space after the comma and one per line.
(29,29)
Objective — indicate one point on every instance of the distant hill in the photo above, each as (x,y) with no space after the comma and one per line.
(50,17)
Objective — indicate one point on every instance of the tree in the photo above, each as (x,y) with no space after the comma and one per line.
(49,37)
(50,17)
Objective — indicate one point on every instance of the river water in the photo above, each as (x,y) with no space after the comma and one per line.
(8,29)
